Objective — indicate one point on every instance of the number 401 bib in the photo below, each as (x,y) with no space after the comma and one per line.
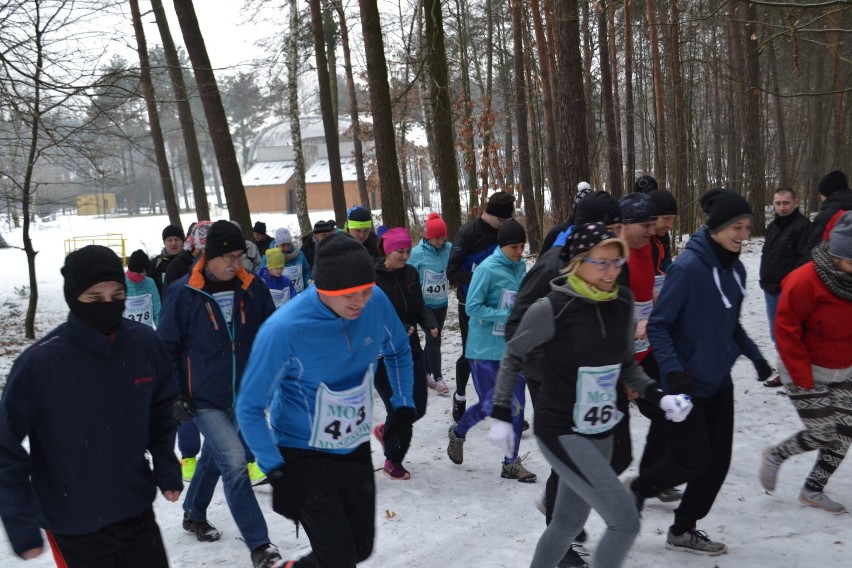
(342,419)
(595,411)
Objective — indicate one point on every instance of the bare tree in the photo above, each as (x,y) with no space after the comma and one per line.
(294,116)
(616,180)
(217,121)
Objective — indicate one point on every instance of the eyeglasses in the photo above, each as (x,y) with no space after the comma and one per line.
(233,257)
(604,265)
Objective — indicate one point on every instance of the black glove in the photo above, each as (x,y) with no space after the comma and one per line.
(680,383)
(183,409)
(764,370)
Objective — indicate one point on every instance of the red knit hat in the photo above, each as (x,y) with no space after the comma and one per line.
(435,227)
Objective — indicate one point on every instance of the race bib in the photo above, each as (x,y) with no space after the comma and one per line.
(434,285)
(507,300)
(140,308)
(342,419)
(294,273)
(642,311)
(595,410)
(280,297)
(226,304)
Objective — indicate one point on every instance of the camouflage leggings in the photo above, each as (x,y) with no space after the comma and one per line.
(826,411)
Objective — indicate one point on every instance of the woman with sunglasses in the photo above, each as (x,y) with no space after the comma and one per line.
(580,337)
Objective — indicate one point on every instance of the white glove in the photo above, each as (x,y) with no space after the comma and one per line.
(677,406)
(502,437)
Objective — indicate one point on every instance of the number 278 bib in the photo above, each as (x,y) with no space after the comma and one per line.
(595,410)
(342,419)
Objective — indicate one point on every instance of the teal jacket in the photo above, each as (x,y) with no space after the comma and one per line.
(138,292)
(425,257)
(490,299)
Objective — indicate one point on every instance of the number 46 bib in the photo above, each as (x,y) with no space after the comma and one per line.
(342,419)
(595,411)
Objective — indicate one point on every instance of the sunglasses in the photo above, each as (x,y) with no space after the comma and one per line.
(606,264)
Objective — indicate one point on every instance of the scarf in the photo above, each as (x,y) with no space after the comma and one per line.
(586,290)
(838,282)
(135,277)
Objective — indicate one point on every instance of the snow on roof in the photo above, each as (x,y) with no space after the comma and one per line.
(318,172)
(269,173)
(278,134)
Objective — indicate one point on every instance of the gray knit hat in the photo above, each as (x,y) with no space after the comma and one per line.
(840,237)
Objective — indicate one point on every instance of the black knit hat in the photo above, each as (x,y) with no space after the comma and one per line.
(511,233)
(831,182)
(259,228)
(637,208)
(599,206)
(222,238)
(89,265)
(501,204)
(359,213)
(138,262)
(173,231)
(724,207)
(645,184)
(323,227)
(588,235)
(342,265)
(665,202)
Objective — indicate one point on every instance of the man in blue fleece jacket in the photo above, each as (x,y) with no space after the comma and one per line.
(312,367)
(93,396)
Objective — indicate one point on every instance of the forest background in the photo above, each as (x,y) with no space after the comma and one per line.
(448,101)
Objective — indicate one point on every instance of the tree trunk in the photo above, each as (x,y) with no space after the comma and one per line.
(545,62)
(442,116)
(780,146)
(573,142)
(616,180)
(393,209)
(680,183)
(659,95)
(466,135)
(331,53)
(353,107)
(154,117)
(755,190)
(187,125)
(487,118)
(217,121)
(329,117)
(533,229)
(629,112)
(299,187)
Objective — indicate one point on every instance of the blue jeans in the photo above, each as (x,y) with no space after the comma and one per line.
(484,373)
(771,308)
(223,454)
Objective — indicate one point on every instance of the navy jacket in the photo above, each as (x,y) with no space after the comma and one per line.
(695,326)
(91,406)
(207,354)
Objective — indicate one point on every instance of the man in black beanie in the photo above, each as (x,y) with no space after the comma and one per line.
(209,321)
(318,389)
(645,184)
(836,196)
(473,243)
(93,396)
(263,240)
(309,241)
(661,242)
(173,239)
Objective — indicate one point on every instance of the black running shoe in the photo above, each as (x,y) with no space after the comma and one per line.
(204,531)
(266,556)
(572,559)
(459,406)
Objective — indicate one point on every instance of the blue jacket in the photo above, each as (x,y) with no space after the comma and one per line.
(304,344)
(91,407)
(278,284)
(489,302)
(147,286)
(695,326)
(207,354)
(426,257)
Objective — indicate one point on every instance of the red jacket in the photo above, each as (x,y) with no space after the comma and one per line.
(811,326)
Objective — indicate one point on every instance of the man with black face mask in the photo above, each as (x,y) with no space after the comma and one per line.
(93,396)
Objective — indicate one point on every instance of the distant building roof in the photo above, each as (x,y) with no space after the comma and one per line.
(311,127)
(269,173)
(318,172)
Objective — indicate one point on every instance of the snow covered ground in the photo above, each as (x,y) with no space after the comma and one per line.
(467,516)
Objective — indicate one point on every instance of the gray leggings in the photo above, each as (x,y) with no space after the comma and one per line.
(586,480)
(826,411)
